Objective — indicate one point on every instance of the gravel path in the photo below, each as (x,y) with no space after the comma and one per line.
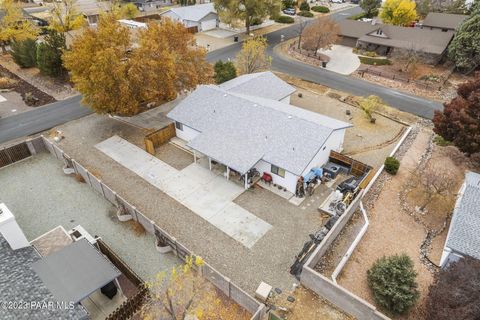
(41,197)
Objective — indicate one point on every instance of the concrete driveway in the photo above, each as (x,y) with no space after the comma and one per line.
(342,59)
(208,195)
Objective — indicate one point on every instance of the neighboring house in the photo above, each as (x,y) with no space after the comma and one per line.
(244,124)
(91,9)
(463,237)
(443,21)
(150,5)
(202,17)
(53,277)
(389,40)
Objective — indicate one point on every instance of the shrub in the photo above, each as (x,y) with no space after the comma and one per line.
(392,281)
(284,19)
(49,55)
(224,71)
(371,54)
(440,141)
(24,53)
(321,9)
(307,14)
(256,21)
(7,83)
(375,61)
(305,6)
(358,16)
(392,165)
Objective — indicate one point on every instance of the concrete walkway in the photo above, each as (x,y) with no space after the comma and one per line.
(342,59)
(208,195)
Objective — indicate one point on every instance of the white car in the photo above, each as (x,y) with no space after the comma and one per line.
(337,1)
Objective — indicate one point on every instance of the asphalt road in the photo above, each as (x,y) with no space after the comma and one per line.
(49,116)
(42,118)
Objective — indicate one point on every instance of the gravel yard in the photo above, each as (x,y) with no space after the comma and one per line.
(268,260)
(174,156)
(42,197)
(366,142)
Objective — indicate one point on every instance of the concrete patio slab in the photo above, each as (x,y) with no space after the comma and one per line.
(208,195)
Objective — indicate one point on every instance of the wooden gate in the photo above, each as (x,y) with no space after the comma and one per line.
(159,137)
(13,154)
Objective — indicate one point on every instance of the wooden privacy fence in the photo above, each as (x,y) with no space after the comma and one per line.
(129,307)
(14,153)
(357,168)
(159,137)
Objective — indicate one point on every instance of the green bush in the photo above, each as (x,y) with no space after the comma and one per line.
(49,54)
(24,53)
(284,19)
(371,54)
(288,4)
(305,6)
(391,165)
(392,281)
(440,141)
(321,9)
(306,14)
(358,16)
(375,61)
(224,71)
(256,21)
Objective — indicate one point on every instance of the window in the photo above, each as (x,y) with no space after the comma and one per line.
(278,171)
(179,126)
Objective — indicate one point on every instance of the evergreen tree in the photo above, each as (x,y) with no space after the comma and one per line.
(49,54)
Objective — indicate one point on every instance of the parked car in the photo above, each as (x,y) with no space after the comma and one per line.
(355,1)
(337,1)
(289,11)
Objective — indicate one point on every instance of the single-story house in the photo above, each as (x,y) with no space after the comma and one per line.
(443,21)
(431,45)
(150,5)
(242,128)
(203,17)
(463,238)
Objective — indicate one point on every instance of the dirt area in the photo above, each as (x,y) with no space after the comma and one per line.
(396,227)
(31,96)
(431,75)
(174,156)
(308,305)
(327,264)
(367,142)
(52,87)
(268,260)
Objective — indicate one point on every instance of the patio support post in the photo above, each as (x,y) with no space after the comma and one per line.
(228,173)
(246,180)
(210,163)
(194,157)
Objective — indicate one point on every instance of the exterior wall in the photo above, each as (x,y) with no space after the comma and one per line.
(449,256)
(210,17)
(334,142)
(187,133)
(289,181)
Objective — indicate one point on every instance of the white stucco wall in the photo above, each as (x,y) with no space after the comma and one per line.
(334,142)
(187,133)
(289,181)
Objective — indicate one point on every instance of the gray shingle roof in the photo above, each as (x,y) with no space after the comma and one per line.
(18,282)
(444,20)
(193,13)
(239,130)
(464,234)
(260,84)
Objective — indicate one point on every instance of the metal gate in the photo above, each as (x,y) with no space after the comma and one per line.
(13,154)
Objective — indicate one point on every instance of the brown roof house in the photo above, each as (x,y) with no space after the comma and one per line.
(443,21)
(389,40)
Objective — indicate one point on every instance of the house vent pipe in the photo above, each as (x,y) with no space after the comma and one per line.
(10,229)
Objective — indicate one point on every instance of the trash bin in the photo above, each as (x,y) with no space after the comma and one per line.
(235,39)
(324,64)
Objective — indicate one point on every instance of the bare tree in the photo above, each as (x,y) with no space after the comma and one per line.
(322,33)
(303,22)
(436,183)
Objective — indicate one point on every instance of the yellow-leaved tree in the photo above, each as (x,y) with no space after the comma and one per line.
(184,293)
(398,12)
(117,77)
(13,25)
(65,16)
(253,57)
